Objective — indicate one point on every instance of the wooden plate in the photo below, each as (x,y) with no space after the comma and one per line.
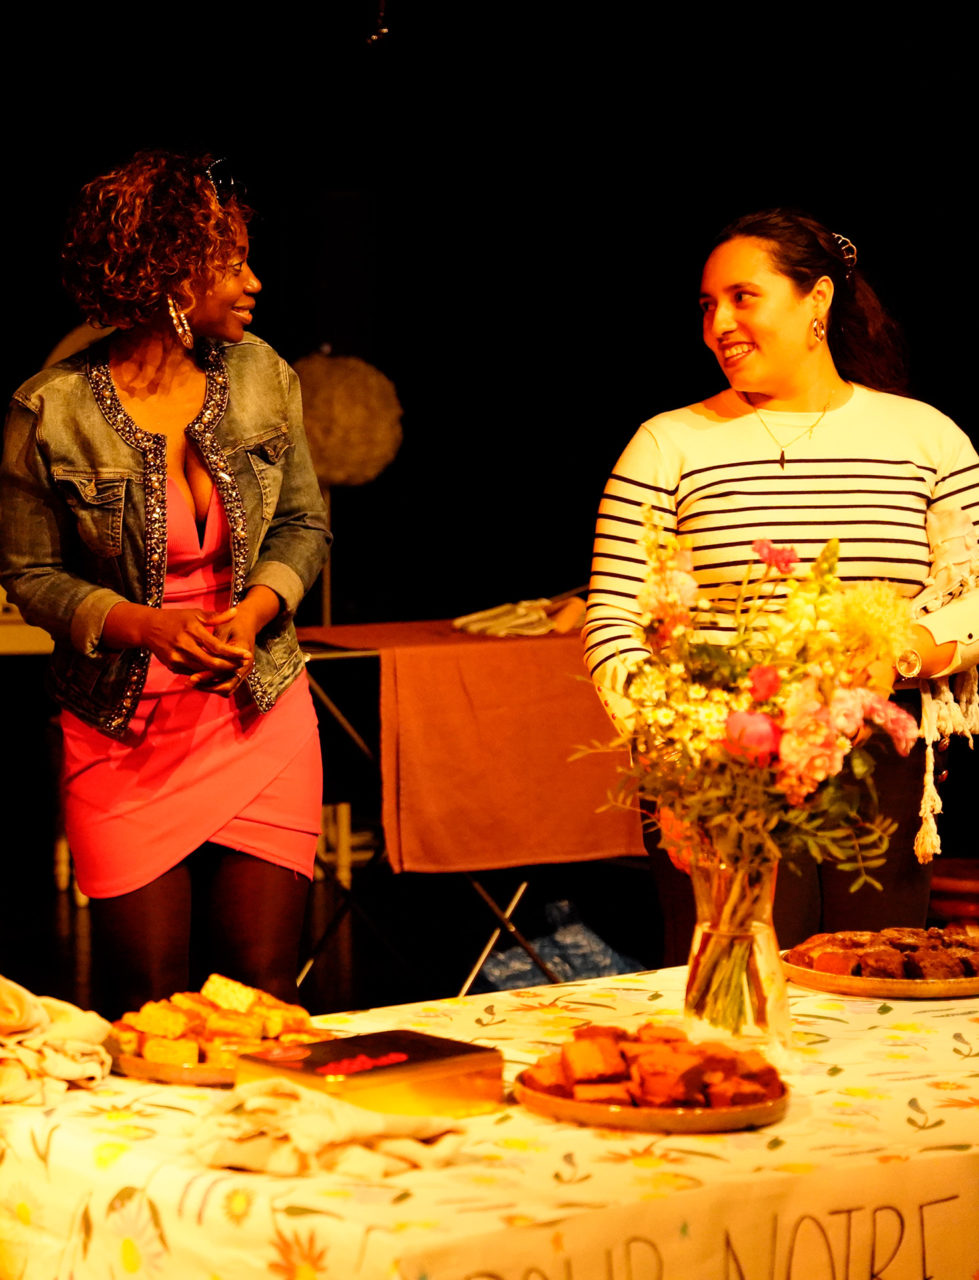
(846,984)
(653,1119)
(166,1073)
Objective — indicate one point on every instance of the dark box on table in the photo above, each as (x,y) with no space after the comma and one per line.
(406,1072)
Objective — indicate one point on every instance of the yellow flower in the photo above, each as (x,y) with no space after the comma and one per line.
(107,1153)
(520,1144)
(139,1250)
(238,1204)
(298,1259)
(22,1205)
(870,621)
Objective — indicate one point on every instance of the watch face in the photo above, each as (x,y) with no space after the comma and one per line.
(909,664)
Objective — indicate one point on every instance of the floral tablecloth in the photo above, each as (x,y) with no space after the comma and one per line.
(873,1173)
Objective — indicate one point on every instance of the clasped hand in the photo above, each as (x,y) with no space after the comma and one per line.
(217,650)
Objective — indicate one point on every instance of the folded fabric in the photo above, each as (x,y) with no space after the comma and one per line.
(525,618)
(69,1023)
(20,1010)
(45,1044)
(276,1126)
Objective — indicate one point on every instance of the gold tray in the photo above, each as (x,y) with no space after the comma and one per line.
(846,984)
(125,1064)
(604,1115)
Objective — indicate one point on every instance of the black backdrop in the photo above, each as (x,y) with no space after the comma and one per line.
(504,208)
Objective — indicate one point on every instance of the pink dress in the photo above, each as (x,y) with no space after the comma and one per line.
(194,767)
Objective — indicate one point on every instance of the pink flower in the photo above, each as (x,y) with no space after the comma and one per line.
(811,750)
(846,710)
(765,682)
(849,708)
(901,728)
(752,736)
(784,559)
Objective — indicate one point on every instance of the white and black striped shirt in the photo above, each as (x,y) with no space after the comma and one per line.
(867,474)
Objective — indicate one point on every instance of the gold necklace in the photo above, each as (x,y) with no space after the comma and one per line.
(806,431)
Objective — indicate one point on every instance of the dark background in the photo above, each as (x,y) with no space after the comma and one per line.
(505,209)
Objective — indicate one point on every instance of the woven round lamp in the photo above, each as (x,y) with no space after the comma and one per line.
(352,416)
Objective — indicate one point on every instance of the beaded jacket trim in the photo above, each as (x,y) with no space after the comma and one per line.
(153,447)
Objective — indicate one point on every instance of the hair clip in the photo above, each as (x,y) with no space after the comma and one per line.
(848,250)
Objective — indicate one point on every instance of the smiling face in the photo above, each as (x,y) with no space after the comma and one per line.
(757,322)
(225,309)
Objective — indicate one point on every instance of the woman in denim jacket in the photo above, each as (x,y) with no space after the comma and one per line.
(161,519)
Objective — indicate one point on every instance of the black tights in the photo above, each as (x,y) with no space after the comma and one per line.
(217,911)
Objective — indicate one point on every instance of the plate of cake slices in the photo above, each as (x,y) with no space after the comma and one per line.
(654,1079)
(904,963)
(196,1037)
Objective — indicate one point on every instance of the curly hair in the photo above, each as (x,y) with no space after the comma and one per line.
(152,227)
(866,343)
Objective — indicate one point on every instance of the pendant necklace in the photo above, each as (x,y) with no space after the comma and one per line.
(806,431)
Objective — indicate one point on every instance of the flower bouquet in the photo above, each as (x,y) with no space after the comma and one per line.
(752,750)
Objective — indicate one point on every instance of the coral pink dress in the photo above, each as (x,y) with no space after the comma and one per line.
(194,767)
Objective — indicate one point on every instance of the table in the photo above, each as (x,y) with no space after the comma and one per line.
(872,1175)
(477,735)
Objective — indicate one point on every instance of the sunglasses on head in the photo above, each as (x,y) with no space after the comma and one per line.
(221,178)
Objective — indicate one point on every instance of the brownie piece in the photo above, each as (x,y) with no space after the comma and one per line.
(933,962)
(882,962)
(968,958)
(904,938)
(855,938)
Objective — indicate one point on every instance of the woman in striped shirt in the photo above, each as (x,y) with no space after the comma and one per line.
(813,439)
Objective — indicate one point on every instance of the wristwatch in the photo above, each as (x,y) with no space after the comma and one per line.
(909,664)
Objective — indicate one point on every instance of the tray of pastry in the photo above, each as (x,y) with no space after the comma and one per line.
(653,1079)
(196,1037)
(901,963)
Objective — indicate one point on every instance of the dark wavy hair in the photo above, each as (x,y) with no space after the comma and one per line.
(152,227)
(866,343)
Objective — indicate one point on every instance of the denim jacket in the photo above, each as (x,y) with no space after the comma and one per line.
(83,515)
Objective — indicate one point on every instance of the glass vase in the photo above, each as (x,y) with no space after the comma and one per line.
(735,981)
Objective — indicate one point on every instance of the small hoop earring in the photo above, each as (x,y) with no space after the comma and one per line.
(818,329)
(180,323)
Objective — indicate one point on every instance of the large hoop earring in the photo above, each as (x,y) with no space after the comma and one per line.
(180,323)
(818,329)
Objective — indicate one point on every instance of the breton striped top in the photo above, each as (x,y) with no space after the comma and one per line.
(868,474)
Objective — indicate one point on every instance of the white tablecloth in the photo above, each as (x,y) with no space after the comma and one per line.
(874,1172)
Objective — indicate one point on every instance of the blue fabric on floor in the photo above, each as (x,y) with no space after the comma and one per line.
(571,949)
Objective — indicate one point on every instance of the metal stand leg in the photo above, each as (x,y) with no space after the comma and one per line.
(347,905)
(511,928)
